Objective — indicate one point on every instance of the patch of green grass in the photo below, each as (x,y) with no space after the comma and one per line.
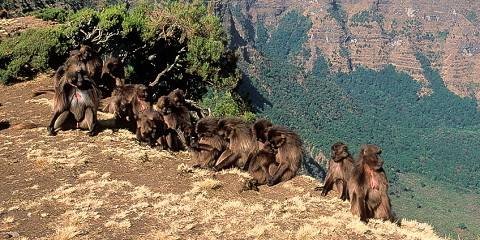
(451,210)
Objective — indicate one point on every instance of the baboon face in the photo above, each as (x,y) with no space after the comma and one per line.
(76,74)
(86,51)
(116,68)
(371,155)
(261,127)
(141,92)
(177,97)
(275,139)
(339,151)
(164,105)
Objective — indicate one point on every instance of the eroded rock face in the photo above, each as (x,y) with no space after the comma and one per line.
(375,33)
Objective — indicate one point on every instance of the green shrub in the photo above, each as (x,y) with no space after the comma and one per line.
(223,104)
(184,41)
(52,14)
(33,51)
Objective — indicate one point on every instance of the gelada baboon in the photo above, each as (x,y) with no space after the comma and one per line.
(177,98)
(85,55)
(259,166)
(340,167)
(289,154)
(177,119)
(242,145)
(368,186)
(210,145)
(151,129)
(76,99)
(127,102)
(113,75)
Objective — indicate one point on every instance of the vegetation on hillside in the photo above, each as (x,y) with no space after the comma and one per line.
(169,45)
(435,136)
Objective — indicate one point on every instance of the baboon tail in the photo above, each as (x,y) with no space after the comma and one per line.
(39,92)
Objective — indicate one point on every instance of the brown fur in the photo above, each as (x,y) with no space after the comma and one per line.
(259,166)
(242,145)
(113,75)
(339,170)
(178,119)
(368,186)
(177,98)
(85,55)
(289,154)
(127,102)
(210,145)
(76,99)
(151,128)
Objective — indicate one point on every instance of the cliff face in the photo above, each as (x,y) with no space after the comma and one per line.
(350,33)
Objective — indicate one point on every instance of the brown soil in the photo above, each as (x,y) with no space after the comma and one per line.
(12,26)
(72,186)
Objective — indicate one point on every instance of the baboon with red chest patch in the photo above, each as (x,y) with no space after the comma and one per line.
(76,99)
(368,186)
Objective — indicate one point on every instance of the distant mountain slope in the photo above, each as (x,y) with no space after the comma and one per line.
(363,72)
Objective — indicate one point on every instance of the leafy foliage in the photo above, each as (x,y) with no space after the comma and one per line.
(223,104)
(177,44)
(52,14)
(33,51)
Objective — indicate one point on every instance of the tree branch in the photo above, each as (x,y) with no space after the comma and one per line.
(169,68)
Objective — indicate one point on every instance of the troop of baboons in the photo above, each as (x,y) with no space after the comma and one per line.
(270,153)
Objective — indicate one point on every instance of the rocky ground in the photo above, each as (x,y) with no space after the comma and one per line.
(72,186)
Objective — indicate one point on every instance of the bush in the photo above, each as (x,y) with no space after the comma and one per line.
(52,14)
(223,104)
(33,51)
(175,44)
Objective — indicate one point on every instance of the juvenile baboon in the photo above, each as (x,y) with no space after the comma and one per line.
(76,99)
(339,170)
(113,75)
(177,118)
(289,154)
(259,167)
(177,98)
(210,145)
(368,186)
(151,129)
(242,145)
(260,128)
(127,102)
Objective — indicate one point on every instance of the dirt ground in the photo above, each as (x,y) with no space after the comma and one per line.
(12,26)
(72,186)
